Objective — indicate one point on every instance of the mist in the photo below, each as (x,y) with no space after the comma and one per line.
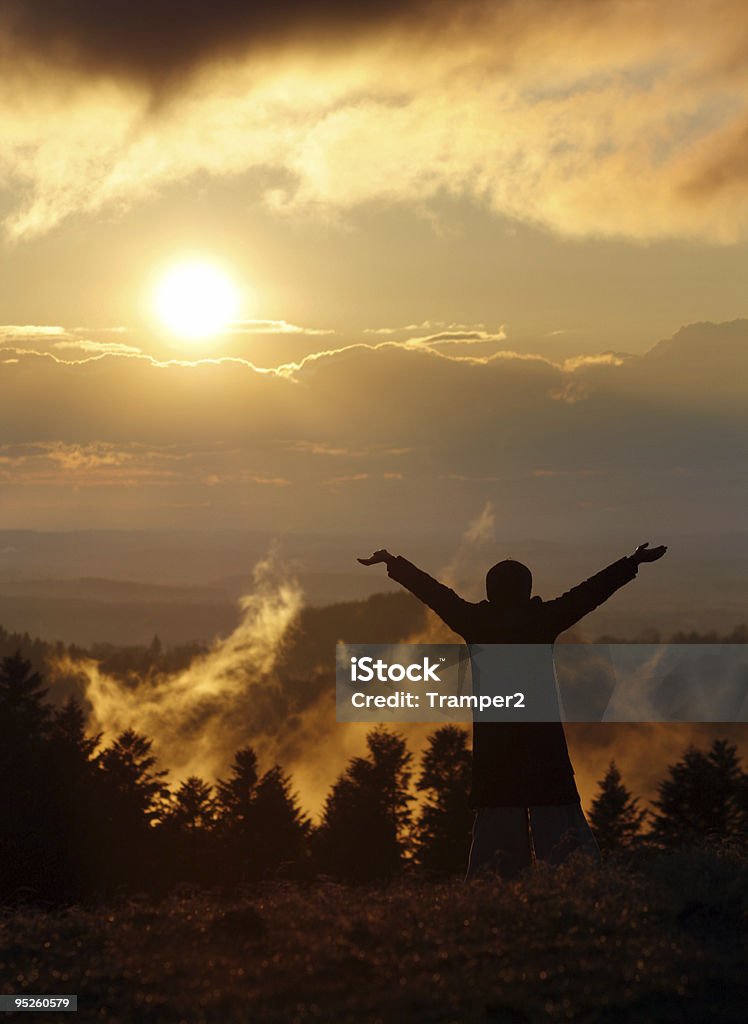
(198,717)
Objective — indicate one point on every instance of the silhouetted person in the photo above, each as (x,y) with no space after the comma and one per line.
(523,791)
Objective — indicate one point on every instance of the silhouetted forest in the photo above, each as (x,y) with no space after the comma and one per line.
(83,821)
(382,618)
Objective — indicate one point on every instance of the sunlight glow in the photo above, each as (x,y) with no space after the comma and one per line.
(196,300)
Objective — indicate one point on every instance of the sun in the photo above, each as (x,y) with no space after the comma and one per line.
(196,300)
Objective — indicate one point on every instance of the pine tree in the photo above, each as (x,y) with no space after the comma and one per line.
(192,806)
(27,850)
(702,797)
(138,788)
(23,710)
(281,830)
(443,828)
(76,806)
(187,844)
(364,830)
(235,823)
(262,829)
(68,735)
(234,795)
(133,797)
(615,816)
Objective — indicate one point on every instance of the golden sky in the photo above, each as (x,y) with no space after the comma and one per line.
(457,232)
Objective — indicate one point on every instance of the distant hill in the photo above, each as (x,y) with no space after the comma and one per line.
(122,587)
(380,618)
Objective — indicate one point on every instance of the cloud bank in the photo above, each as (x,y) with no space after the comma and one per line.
(382,433)
(590,119)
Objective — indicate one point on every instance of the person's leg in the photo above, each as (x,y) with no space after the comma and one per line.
(559,831)
(501,842)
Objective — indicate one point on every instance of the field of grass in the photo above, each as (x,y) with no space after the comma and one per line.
(662,942)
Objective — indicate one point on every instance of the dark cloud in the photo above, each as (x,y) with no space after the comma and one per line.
(157,41)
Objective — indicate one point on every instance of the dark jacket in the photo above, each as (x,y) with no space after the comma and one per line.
(522,764)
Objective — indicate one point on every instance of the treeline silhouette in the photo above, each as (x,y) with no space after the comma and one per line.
(81,822)
(380,618)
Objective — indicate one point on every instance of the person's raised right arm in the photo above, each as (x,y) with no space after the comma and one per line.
(567,610)
(448,605)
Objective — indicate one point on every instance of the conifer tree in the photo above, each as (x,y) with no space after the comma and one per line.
(365,824)
(192,806)
(234,794)
(281,830)
(444,824)
(76,803)
(702,797)
(615,816)
(136,785)
(23,711)
(187,846)
(133,798)
(26,785)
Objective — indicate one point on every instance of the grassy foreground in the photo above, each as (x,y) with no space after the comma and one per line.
(662,943)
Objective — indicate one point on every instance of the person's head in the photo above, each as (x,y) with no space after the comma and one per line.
(508,582)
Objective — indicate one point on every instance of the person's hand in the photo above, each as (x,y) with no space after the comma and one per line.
(379,556)
(644,553)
